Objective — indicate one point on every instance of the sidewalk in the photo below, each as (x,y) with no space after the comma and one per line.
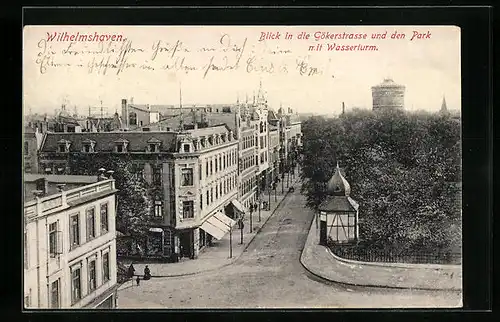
(217,256)
(319,261)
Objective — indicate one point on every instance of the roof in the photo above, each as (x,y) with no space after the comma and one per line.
(338,203)
(206,131)
(57,178)
(338,185)
(388,83)
(143,108)
(106,141)
(212,118)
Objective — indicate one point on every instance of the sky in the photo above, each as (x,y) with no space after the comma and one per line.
(220,64)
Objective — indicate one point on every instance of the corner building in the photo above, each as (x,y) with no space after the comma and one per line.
(193,176)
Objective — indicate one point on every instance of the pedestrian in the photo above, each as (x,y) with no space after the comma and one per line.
(147,273)
(138,280)
(131,271)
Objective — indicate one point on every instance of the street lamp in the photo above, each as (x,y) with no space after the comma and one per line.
(251,224)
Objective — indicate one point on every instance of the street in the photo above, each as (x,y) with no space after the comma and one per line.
(270,275)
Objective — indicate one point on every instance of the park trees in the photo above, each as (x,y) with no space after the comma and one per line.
(403,169)
(134,202)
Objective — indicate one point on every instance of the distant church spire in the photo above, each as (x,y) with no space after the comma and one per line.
(444,108)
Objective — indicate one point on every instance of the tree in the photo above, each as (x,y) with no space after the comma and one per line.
(134,202)
(400,167)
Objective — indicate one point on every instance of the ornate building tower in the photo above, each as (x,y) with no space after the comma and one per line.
(338,214)
(388,95)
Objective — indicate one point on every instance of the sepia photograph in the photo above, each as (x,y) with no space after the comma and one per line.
(242,167)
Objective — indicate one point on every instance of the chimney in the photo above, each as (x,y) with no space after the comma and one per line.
(343,108)
(195,120)
(125,112)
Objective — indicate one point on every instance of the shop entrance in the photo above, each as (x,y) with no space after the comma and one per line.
(186,242)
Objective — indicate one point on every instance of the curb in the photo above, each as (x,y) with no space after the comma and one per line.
(234,259)
(328,280)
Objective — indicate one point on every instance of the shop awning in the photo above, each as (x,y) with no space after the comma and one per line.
(238,206)
(218,225)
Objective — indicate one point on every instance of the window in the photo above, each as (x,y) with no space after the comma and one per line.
(119,148)
(87,148)
(54,294)
(216,167)
(92,276)
(187,209)
(26,148)
(62,148)
(206,172)
(74,231)
(201,201)
(187,177)
(90,223)
(158,208)
(104,218)
(53,239)
(187,148)
(153,147)
(157,175)
(76,284)
(200,170)
(133,118)
(211,194)
(216,192)
(208,198)
(105,267)
(211,167)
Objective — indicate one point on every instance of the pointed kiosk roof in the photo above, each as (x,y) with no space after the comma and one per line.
(338,191)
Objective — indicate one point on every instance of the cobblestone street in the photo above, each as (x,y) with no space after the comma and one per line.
(270,275)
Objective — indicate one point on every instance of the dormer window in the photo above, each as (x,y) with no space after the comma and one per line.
(211,140)
(186,148)
(88,146)
(63,146)
(153,145)
(121,146)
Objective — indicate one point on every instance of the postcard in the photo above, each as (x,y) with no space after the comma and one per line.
(242,167)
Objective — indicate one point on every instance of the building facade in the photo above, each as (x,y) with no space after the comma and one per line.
(70,248)
(192,175)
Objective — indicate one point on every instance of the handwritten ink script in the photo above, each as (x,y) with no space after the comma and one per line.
(225,55)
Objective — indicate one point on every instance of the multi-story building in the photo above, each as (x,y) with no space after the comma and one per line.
(193,176)
(70,247)
(290,134)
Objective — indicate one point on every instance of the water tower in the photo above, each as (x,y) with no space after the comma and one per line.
(388,95)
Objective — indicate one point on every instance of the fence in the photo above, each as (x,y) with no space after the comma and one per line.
(387,256)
